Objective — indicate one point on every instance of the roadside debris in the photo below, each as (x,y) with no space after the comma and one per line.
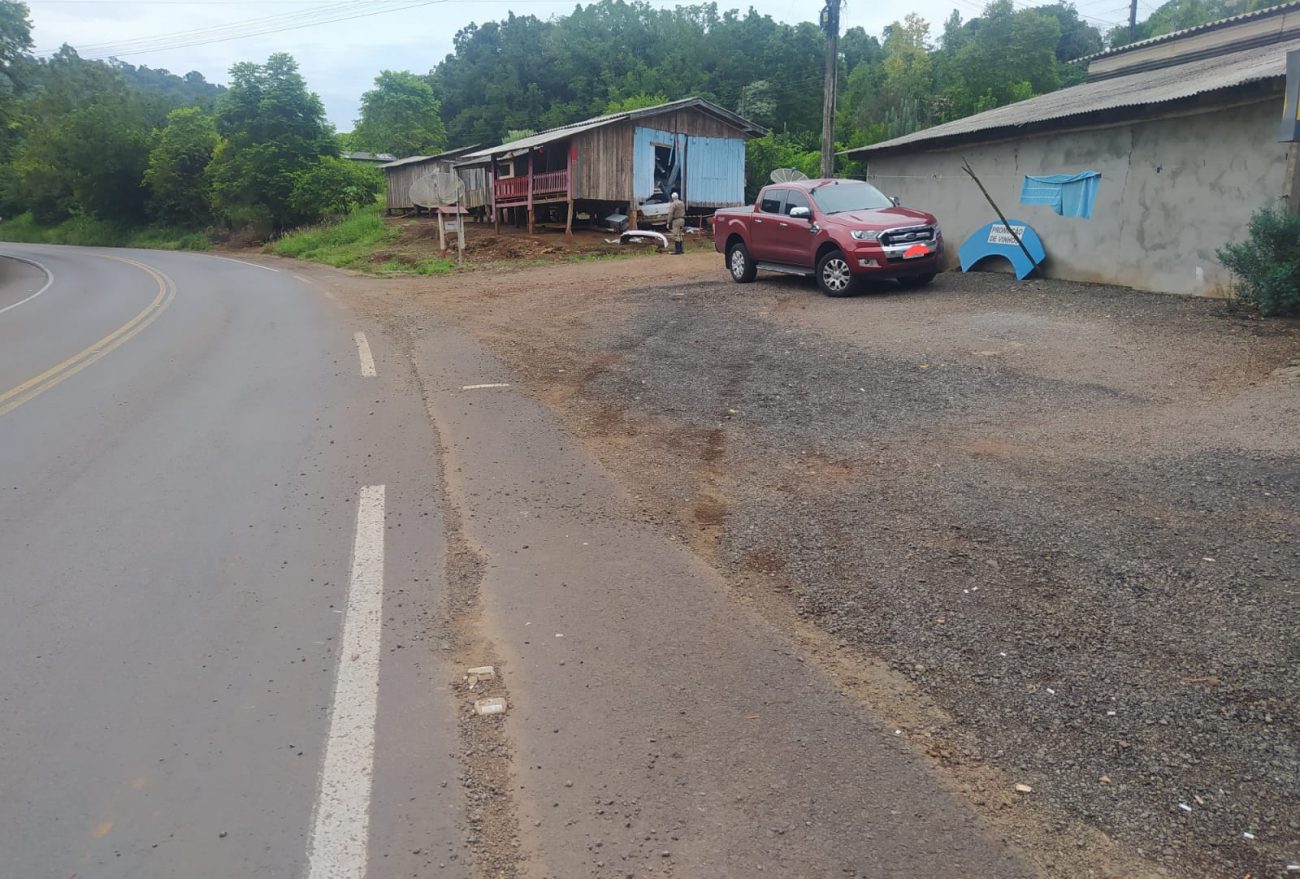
(494,705)
(483,673)
(640,237)
(1024,789)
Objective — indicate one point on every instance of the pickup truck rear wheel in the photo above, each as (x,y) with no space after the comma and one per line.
(833,274)
(742,268)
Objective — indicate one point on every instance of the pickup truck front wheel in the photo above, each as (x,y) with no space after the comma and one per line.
(740,265)
(833,274)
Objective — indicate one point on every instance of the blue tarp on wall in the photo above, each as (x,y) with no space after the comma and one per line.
(1070,195)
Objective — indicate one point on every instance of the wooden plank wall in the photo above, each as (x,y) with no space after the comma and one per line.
(603,170)
(478,185)
(690,121)
(399,181)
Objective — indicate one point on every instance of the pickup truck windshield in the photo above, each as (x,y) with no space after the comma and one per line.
(839,197)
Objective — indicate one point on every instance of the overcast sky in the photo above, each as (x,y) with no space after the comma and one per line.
(340,58)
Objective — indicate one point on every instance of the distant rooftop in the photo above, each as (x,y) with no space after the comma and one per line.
(363,156)
(1231,21)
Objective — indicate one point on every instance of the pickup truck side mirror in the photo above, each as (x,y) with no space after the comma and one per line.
(800,213)
(898,202)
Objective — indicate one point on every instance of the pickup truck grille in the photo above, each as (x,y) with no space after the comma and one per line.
(907,235)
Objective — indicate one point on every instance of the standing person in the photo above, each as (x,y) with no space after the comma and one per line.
(677,221)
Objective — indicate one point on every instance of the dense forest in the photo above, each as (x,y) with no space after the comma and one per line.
(102,142)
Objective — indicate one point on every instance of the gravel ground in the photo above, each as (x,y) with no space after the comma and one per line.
(1118,629)
(1067,514)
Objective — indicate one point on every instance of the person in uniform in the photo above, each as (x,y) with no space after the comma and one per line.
(677,221)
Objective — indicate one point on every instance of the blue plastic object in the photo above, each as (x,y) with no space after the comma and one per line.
(1070,195)
(995,240)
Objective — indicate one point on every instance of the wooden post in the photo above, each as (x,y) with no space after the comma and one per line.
(831,25)
(568,184)
(492,187)
(531,181)
(965,166)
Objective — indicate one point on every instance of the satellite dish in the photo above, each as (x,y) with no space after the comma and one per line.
(423,192)
(788,175)
(448,188)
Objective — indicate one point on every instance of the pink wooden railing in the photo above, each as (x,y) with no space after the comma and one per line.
(512,189)
(551,183)
(547,183)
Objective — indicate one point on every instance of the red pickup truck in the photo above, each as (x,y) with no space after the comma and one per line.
(836,230)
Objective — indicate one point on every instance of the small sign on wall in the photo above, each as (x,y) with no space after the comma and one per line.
(1290,131)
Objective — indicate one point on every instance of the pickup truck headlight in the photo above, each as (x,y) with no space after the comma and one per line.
(864,235)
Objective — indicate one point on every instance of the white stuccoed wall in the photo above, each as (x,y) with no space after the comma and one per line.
(1172,191)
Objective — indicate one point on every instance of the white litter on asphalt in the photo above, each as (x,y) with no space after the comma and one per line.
(482,673)
(488,385)
(495,705)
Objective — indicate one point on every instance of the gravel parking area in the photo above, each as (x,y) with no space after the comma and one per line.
(1066,517)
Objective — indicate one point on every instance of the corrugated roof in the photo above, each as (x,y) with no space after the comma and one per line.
(447,156)
(1200,28)
(363,156)
(1133,90)
(563,131)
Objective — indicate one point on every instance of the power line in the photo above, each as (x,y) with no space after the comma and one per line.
(328,14)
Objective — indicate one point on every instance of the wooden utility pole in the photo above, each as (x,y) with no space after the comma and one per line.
(831,26)
(1132,19)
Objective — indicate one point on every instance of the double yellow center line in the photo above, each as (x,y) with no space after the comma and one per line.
(37,385)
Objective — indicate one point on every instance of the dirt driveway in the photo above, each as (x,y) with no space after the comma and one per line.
(1051,532)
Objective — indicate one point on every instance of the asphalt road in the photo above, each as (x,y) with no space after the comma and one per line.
(245,554)
(185,442)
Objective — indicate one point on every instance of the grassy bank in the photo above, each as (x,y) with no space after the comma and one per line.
(88,232)
(359,241)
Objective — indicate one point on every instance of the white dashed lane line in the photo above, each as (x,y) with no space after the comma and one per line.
(341,822)
(363,351)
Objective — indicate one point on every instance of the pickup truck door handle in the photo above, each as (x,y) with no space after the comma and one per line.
(757,220)
(785,225)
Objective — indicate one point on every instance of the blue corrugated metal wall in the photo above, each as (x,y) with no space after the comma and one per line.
(715,166)
(643,157)
(715,171)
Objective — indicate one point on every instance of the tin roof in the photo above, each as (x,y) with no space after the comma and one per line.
(363,156)
(449,155)
(1200,28)
(1144,88)
(563,131)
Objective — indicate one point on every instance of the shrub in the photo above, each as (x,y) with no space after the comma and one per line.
(333,188)
(348,243)
(1267,263)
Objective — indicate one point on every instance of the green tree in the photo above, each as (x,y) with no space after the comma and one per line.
(272,127)
(757,103)
(333,187)
(634,102)
(177,165)
(84,143)
(400,116)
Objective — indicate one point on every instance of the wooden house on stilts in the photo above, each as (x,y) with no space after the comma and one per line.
(625,163)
